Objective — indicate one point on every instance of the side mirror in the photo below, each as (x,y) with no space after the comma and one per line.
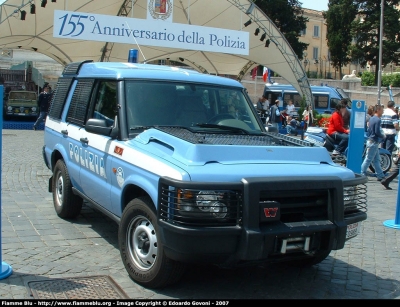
(98,126)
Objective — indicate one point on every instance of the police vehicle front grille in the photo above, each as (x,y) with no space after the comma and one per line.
(355,198)
(301,205)
(194,207)
(268,139)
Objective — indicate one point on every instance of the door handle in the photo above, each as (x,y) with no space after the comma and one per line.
(84,140)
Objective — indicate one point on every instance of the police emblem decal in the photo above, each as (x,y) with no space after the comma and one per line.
(160,9)
(120,177)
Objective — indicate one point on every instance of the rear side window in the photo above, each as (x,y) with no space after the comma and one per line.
(59,98)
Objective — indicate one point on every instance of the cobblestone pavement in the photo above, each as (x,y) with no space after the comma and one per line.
(41,246)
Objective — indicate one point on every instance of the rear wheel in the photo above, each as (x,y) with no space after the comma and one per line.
(141,249)
(66,203)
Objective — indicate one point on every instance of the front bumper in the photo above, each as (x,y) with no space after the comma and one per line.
(277,219)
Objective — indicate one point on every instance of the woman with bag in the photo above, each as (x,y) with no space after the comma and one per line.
(308,117)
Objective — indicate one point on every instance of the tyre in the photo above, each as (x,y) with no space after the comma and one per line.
(141,249)
(318,257)
(386,163)
(395,155)
(66,203)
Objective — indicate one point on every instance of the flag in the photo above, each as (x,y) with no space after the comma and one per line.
(254,73)
(269,76)
(265,74)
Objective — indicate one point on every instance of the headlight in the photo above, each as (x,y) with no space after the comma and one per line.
(350,197)
(9,108)
(202,203)
(33,109)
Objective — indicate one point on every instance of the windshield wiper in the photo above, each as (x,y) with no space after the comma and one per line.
(228,128)
(140,127)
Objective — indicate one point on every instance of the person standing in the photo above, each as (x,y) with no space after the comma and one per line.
(308,117)
(337,131)
(275,116)
(262,107)
(374,137)
(389,122)
(43,104)
(370,113)
(346,114)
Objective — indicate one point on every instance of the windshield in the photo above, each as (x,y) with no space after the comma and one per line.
(189,105)
(342,93)
(22,95)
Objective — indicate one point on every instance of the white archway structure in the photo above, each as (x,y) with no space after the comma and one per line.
(36,33)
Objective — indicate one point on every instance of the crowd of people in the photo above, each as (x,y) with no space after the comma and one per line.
(381,128)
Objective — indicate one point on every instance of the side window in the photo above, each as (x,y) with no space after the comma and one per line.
(316,31)
(105,103)
(295,97)
(321,101)
(272,96)
(315,53)
(80,101)
(334,102)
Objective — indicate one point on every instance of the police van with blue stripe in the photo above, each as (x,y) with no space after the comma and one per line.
(182,162)
(325,97)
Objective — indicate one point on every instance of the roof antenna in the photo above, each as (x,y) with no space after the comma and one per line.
(136,44)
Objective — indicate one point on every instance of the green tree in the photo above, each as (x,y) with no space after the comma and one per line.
(287,15)
(339,17)
(366,32)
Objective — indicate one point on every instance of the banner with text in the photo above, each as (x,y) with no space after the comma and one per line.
(125,30)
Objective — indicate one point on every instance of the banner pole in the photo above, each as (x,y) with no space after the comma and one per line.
(6,269)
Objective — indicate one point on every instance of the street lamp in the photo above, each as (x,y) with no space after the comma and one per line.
(305,64)
(380,55)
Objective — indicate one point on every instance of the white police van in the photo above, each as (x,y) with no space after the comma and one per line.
(182,162)
(325,97)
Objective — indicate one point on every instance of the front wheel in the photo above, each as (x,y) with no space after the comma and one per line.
(141,249)
(386,163)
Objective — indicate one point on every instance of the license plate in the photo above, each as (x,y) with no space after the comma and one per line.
(353,230)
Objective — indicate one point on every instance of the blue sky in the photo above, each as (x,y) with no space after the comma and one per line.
(318,5)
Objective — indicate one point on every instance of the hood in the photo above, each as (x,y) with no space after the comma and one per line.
(225,157)
(186,148)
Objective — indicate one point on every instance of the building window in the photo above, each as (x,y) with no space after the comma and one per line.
(303,32)
(315,53)
(316,31)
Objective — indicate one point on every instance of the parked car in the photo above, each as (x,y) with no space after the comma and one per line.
(21,103)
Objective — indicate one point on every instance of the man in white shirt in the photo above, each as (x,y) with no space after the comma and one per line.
(389,124)
(262,107)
